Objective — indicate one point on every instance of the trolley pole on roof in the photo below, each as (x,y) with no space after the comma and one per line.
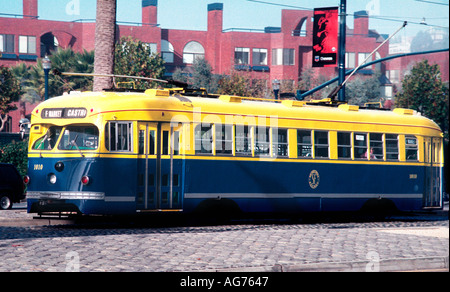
(341,52)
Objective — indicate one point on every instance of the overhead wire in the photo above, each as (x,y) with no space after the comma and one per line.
(380,17)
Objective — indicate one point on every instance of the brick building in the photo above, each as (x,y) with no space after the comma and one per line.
(273,53)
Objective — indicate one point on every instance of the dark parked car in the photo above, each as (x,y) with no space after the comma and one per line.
(12,188)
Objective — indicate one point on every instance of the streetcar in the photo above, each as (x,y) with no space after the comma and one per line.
(187,151)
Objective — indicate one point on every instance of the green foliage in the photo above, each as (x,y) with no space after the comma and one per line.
(201,76)
(239,83)
(22,73)
(361,90)
(310,79)
(10,90)
(180,75)
(15,153)
(235,84)
(358,90)
(243,84)
(424,91)
(134,58)
(32,79)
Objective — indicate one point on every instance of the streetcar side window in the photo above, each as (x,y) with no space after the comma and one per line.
(344,141)
(376,146)
(243,140)
(360,145)
(411,148)
(320,144)
(391,147)
(203,139)
(280,142)
(119,136)
(262,145)
(304,144)
(224,139)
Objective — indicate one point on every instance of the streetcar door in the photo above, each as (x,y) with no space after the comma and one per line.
(433,173)
(168,167)
(147,162)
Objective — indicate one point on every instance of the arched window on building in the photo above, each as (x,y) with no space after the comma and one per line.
(167,51)
(49,43)
(300,29)
(192,51)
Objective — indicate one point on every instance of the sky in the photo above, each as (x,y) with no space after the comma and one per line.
(386,15)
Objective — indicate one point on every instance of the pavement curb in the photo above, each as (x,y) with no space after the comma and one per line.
(388,265)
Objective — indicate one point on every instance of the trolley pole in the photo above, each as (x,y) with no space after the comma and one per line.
(342,36)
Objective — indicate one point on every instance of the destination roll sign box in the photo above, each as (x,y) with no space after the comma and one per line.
(63,113)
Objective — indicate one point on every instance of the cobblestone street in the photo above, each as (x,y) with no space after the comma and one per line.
(238,247)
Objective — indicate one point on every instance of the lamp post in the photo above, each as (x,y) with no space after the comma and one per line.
(47,65)
(342,36)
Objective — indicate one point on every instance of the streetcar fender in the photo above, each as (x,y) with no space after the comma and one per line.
(379,205)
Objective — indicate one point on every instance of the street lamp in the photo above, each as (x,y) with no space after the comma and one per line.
(341,52)
(47,65)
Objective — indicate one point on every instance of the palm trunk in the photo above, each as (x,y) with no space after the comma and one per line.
(104,43)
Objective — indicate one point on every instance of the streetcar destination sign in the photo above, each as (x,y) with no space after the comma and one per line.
(63,113)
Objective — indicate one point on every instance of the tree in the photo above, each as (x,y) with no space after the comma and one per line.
(134,58)
(10,92)
(422,42)
(310,79)
(15,153)
(361,90)
(22,73)
(63,60)
(105,36)
(201,76)
(424,91)
(235,84)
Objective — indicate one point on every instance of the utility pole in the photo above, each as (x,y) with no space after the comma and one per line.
(342,36)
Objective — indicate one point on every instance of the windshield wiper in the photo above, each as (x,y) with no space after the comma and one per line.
(74,143)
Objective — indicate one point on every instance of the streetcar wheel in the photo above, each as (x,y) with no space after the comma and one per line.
(5,202)
(217,211)
(379,206)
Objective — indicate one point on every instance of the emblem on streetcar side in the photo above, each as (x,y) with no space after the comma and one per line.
(314,179)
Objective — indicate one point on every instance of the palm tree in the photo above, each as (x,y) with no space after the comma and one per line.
(104,43)
(63,60)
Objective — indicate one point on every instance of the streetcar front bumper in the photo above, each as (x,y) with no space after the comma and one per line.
(66,195)
(71,202)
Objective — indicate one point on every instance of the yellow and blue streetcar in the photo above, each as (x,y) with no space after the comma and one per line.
(183,151)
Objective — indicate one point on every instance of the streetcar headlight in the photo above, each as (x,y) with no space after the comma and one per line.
(59,166)
(85,180)
(52,178)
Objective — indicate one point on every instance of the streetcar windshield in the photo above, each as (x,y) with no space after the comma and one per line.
(79,138)
(48,141)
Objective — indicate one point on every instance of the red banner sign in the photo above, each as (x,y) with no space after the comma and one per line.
(325,37)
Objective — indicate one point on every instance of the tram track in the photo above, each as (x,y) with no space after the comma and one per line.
(19,217)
